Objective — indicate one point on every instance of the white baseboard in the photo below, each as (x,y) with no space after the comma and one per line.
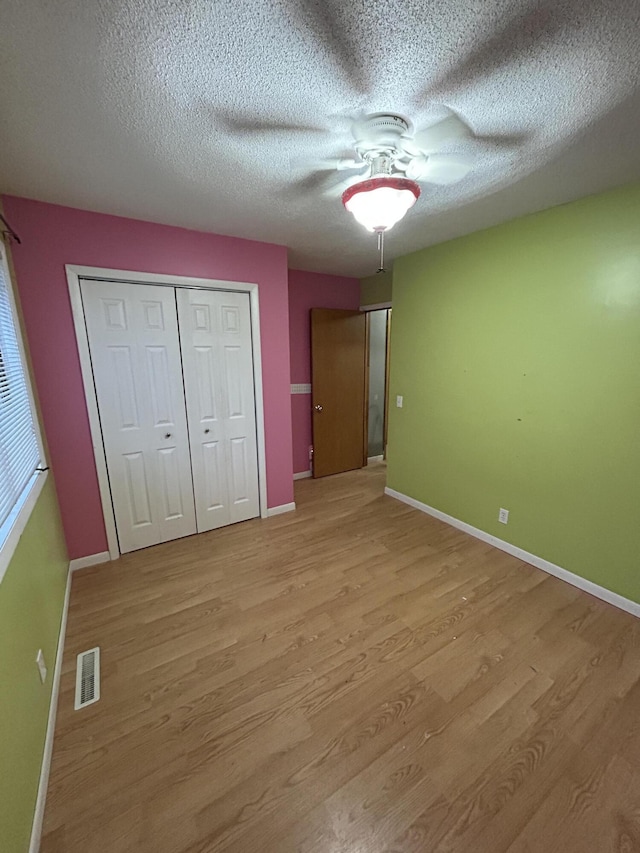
(38,817)
(90,560)
(375,458)
(540,563)
(278,510)
(302,475)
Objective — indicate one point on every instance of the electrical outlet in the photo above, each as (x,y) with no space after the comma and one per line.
(42,667)
(399,401)
(503,516)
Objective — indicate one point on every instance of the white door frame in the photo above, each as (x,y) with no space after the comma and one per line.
(74,274)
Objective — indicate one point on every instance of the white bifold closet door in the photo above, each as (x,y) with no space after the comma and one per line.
(217,360)
(135,356)
(173,373)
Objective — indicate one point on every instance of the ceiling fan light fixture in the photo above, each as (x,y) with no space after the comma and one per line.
(378,203)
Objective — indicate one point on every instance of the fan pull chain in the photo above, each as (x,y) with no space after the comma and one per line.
(381,250)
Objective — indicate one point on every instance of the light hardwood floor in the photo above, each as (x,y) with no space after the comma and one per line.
(354,677)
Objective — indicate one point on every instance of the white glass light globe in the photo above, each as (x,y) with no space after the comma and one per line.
(379,203)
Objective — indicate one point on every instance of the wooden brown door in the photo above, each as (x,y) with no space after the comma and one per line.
(338,370)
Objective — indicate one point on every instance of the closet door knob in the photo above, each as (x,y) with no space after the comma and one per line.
(167,435)
(318,408)
(207,430)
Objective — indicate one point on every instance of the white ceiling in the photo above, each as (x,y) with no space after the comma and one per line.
(203,113)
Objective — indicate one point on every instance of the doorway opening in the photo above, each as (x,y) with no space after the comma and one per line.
(349,388)
(377,383)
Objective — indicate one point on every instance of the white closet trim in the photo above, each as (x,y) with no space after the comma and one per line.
(74,274)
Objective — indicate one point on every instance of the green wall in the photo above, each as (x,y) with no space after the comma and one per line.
(517,350)
(376,289)
(31,601)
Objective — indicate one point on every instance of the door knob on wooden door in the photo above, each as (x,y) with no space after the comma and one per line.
(318,408)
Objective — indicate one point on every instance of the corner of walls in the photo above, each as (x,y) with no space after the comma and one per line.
(376,290)
(309,290)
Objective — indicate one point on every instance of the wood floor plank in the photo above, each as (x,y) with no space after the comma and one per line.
(354,676)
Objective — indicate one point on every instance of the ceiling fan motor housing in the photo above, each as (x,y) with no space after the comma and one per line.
(381,133)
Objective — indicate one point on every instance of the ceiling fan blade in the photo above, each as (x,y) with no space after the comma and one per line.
(350,163)
(441,169)
(335,189)
(499,143)
(518,37)
(328,30)
(431,139)
(247,124)
(329,164)
(324,180)
(313,182)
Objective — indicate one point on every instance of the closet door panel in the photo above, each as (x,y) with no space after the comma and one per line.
(135,354)
(215,336)
(214,476)
(234,316)
(203,395)
(137,490)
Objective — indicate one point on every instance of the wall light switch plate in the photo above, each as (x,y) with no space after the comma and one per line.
(399,401)
(42,667)
(503,516)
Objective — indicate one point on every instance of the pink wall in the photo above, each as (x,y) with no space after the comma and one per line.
(310,290)
(53,236)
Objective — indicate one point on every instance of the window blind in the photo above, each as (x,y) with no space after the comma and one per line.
(19,453)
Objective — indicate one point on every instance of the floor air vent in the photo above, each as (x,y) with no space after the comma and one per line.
(87,678)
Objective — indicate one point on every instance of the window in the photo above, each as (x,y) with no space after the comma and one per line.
(20,453)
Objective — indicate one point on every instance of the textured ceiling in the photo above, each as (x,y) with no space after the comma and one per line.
(210,114)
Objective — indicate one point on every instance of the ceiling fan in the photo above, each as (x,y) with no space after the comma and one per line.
(385,143)
(391,160)
(388,151)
